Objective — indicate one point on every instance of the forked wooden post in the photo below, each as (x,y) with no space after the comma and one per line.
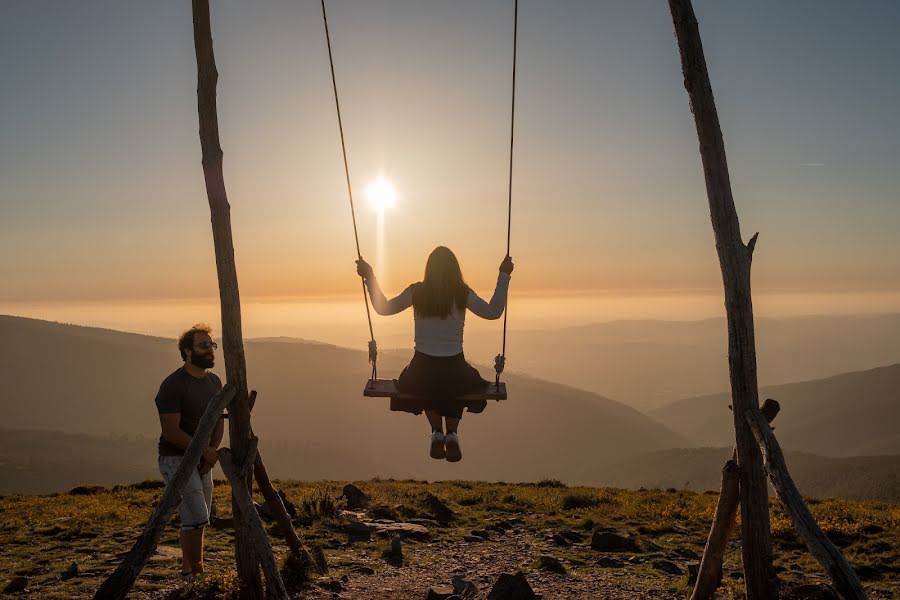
(709,577)
(845,580)
(275,589)
(232,339)
(120,582)
(273,501)
(734,259)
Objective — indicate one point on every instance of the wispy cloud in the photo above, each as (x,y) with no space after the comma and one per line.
(812,164)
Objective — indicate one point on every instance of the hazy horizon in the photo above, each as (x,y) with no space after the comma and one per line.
(341,320)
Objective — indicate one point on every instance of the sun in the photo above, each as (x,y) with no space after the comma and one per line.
(381,194)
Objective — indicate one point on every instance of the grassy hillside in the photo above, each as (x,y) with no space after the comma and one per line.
(853,414)
(543,530)
(84,380)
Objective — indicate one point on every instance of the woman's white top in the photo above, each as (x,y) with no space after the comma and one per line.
(435,336)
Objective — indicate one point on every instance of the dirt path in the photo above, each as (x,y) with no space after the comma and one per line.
(429,564)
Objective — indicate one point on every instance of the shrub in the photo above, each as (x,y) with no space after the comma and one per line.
(86,490)
(320,504)
(550,483)
(576,501)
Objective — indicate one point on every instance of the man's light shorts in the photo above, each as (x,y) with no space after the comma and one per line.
(196,498)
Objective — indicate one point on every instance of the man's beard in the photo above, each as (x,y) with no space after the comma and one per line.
(204,361)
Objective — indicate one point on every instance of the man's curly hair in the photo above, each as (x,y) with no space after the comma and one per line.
(187,338)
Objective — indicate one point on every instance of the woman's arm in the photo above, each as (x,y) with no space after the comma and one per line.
(382,305)
(493,309)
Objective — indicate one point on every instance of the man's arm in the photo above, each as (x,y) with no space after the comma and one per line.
(172,431)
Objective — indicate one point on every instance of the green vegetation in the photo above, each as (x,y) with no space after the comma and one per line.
(40,536)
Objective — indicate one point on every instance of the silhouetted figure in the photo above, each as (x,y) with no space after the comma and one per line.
(438,370)
(181,402)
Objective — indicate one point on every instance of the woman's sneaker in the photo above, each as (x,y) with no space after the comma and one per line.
(451,446)
(437,445)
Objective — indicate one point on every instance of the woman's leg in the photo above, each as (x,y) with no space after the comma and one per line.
(435,420)
(436,449)
(452,424)
(451,447)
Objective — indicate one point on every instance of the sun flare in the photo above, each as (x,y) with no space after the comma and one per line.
(381,195)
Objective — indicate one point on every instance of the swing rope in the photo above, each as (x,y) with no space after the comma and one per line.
(500,359)
(373,348)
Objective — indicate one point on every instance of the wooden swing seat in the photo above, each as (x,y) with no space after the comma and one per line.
(404,402)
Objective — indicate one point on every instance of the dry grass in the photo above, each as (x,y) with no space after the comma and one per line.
(40,536)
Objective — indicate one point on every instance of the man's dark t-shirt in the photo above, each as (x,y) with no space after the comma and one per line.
(183,393)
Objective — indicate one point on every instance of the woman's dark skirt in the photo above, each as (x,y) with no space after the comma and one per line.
(440,380)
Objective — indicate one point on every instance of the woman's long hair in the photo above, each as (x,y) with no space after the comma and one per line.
(443,286)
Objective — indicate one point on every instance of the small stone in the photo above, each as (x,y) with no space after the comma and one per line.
(511,587)
(610,563)
(550,563)
(560,540)
(438,508)
(464,588)
(357,531)
(364,570)
(573,537)
(405,530)
(607,541)
(355,497)
(318,556)
(472,538)
(424,522)
(482,533)
(667,566)
(440,592)
(685,553)
(16,585)
(71,572)
(332,585)
(394,554)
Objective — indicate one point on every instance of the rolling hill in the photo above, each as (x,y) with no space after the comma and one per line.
(85,380)
(852,414)
(647,363)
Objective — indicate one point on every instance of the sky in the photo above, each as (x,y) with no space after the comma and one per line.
(102,199)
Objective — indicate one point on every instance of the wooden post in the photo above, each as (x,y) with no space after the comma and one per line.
(273,501)
(734,259)
(232,341)
(709,577)
(275,589)
(120,582)
(831,558)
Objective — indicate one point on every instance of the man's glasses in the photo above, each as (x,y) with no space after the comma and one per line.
(207,345)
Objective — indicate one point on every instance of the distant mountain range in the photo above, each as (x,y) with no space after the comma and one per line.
(78,407)
(851,414)
(647,364)
(85,380)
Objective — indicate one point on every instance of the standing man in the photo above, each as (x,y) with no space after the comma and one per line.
(181,401)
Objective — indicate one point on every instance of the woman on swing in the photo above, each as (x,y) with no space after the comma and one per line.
(438,370)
